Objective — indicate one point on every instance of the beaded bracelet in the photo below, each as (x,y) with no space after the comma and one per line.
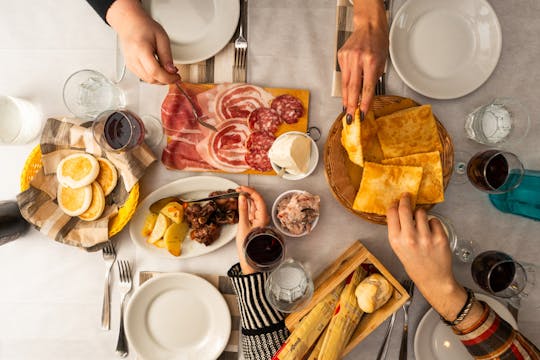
(464,310)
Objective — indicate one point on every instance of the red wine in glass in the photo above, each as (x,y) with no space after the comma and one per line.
(495,171)
(498,274)
(264,248)
(118,130)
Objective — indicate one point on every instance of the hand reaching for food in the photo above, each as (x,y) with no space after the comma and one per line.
(145,44)
(252,213)
(363,55)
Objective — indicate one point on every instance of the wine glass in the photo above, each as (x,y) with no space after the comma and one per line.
(289,287)
(264,248)
(153,131)
(118,130)
(500,275)
(461,248)
(495,171)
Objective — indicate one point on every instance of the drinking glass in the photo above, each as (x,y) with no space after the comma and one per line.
(153,131)
(20,121)
(501,121)
(502,276)
(118,130)
(289,287)
(495,171)
(264,248)
(461,248)
(87,93)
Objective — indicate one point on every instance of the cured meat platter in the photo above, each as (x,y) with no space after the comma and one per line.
(248,119)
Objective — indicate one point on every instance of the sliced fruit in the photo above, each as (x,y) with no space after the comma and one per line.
(74,202)
(77,170)
(149,224)
(174,211)
(158,205)
(162,223)
(108,176)
(96,206)
(174,237)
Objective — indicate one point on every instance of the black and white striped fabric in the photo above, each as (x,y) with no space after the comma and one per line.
(263,327)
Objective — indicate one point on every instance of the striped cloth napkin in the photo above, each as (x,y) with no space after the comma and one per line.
(38,204)
(219,68)
(344,29)
(224,285)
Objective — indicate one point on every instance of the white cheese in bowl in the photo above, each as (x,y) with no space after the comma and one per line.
(292,152)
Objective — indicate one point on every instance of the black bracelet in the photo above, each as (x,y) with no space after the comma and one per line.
(464,310)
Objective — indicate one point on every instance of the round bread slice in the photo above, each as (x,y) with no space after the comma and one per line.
(108,177)
(96,206)
(74,202)
(77,170)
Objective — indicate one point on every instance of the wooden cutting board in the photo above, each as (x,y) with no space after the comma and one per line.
(344,177)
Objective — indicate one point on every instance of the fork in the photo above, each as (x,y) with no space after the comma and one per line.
(384,347)
(124,270)
(109,256)
(408,284)
(240,51)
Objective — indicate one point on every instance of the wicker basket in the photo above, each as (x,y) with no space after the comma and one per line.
(117,223)
(344,177)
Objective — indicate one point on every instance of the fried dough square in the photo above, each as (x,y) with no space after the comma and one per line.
(431,187)
(381,185)
(409,131)
(370,141)
(350,139)
(360,139)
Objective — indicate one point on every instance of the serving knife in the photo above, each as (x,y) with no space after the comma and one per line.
(197,117)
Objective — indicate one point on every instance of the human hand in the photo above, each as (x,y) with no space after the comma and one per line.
(252,213)
(423,249)
(145,44)
(363,55)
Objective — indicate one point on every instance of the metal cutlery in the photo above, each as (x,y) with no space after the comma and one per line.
(409,286)
(157,205)
(380,87)
(194,110)
(386,343)
(124,270)
(109,256)
(240,48)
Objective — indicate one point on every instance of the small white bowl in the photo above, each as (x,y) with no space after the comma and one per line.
(313,159)
(277,222)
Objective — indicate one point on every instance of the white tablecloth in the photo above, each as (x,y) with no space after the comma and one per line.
(50,299)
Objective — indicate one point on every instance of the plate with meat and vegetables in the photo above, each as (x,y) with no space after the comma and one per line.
(168,227)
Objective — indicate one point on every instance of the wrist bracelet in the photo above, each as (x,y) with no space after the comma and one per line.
(464,310)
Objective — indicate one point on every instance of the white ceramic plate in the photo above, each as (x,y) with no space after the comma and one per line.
(445,49)
(195,187)
(178,316)
(198,29)
(313,158)
(436,341)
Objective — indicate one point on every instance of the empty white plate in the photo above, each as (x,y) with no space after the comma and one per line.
(445,49)
(435,341)
(178,316)
(198,29)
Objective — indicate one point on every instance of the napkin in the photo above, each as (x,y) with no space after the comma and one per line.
(219,68)
(38,204)
(344,29)
(224,285)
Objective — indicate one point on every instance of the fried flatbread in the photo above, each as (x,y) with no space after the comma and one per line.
(409,131)
(107,177)
(96,206)
(77,170)
(370,141)
(431,187)
(74,202)
(350,139)
(360,139)
(383,184)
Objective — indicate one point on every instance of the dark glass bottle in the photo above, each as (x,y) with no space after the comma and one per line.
(12,224)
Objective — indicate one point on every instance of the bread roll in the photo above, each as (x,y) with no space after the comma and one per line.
(373,292)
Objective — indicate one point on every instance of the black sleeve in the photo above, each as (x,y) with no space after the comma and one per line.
(101,7)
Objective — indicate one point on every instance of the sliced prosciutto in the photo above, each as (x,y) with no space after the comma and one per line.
(239,100)
(289,108)
(226,149)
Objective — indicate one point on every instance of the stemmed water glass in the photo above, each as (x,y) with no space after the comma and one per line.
(462,248)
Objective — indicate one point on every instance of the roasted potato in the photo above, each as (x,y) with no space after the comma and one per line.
(149,224)
(174,211)
(162,223)
(174,237)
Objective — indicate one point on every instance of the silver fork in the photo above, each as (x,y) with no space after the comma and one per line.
(240,51)
(124,269)
(384,347)
(109,256)
(408,284)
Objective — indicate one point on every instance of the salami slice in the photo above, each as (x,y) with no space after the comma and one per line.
(258,159)
(289,108)
(260,141)
(264,120)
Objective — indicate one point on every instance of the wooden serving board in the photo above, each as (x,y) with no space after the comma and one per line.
(335,273)
(344,177)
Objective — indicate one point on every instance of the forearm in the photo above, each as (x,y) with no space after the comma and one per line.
(370,13)
(122,9)
(263,328)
